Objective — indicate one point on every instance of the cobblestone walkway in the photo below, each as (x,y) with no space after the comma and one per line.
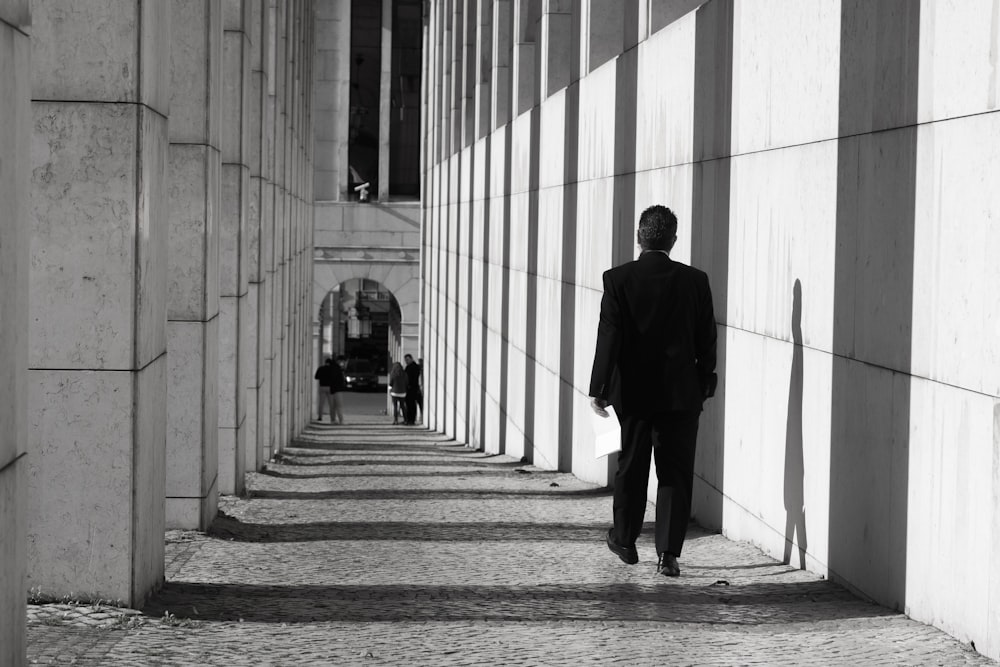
(377,545)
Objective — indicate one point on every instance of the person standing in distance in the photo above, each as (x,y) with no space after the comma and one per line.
(324,375)
(655,363)
(413,393)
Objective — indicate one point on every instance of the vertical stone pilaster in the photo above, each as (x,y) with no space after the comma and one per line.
(97,384)
(256,416)
(265,315)
(502,74)
(193,307)
(556,45)
(384,97)
(331,98)
(15,109)
(234,322)
(484,67)
(524,56)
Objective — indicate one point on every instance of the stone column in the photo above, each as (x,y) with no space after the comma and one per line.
(525,51)
(234,318)
(332,97)
(266,258)
(256,238)
(557,45)
(15,130)
(501,94)
(484,67)
(193,306)
(97,352)
(384,98)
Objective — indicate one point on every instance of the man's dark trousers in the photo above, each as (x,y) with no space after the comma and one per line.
(670,438)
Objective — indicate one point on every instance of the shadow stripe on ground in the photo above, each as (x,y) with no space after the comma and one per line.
(663,601)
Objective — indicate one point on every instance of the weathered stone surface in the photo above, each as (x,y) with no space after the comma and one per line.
(195,196)
(80,536)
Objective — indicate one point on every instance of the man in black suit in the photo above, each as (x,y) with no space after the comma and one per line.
(413,393)
(655,363)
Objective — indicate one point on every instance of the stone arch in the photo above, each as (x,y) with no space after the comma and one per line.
(400,278)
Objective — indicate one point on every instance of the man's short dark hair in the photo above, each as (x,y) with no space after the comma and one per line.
(657,228)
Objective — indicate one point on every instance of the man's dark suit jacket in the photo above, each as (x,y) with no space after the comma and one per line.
(656,338)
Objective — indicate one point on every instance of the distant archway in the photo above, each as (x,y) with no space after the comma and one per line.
(399,276)
(361,319)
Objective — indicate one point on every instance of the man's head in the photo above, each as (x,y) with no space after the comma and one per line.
(329,360)
(408,358)
(657,228)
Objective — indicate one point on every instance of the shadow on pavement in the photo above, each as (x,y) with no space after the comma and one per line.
(660,601)
(228,528)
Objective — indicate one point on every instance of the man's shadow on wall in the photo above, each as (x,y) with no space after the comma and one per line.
(795,513)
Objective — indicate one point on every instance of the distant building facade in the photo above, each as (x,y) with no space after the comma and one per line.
(366,175)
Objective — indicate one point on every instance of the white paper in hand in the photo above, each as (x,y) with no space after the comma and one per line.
(607,433)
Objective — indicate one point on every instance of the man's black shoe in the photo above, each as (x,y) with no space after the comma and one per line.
(628,555)
(668,566)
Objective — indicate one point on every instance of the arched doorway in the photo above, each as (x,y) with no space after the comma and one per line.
(362,320)
(339,273)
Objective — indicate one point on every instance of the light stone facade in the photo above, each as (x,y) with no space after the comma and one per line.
(832,164)
(155,259)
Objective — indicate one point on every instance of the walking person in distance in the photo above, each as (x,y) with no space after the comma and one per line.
(655,363)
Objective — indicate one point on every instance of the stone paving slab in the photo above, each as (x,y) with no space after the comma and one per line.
(366,545)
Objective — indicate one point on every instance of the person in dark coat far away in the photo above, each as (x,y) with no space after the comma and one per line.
(413,393)
(323,374)
(655,363)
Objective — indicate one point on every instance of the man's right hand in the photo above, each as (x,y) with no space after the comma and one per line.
(598,405)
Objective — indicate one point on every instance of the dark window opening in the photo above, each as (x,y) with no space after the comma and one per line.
(366,75)
(404,89)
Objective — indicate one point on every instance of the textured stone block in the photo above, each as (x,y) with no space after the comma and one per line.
(196,71)
(235,97)
(785,100)
(15,135)
(597,119)
(149,454)
(80,536)
(593,232)
(70,64)
(193,279)
(233,239)
(951,465)
(129,63)
(84,194)
(152,239)
(13,588)
(232,460)
(192,408)
(956,320)
(783,207)
(664,138)
(958,47)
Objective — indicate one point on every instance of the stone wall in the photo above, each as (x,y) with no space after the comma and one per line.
(15,133)
(121,370)
(832,165)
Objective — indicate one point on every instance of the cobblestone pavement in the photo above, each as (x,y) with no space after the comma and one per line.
(380,545)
